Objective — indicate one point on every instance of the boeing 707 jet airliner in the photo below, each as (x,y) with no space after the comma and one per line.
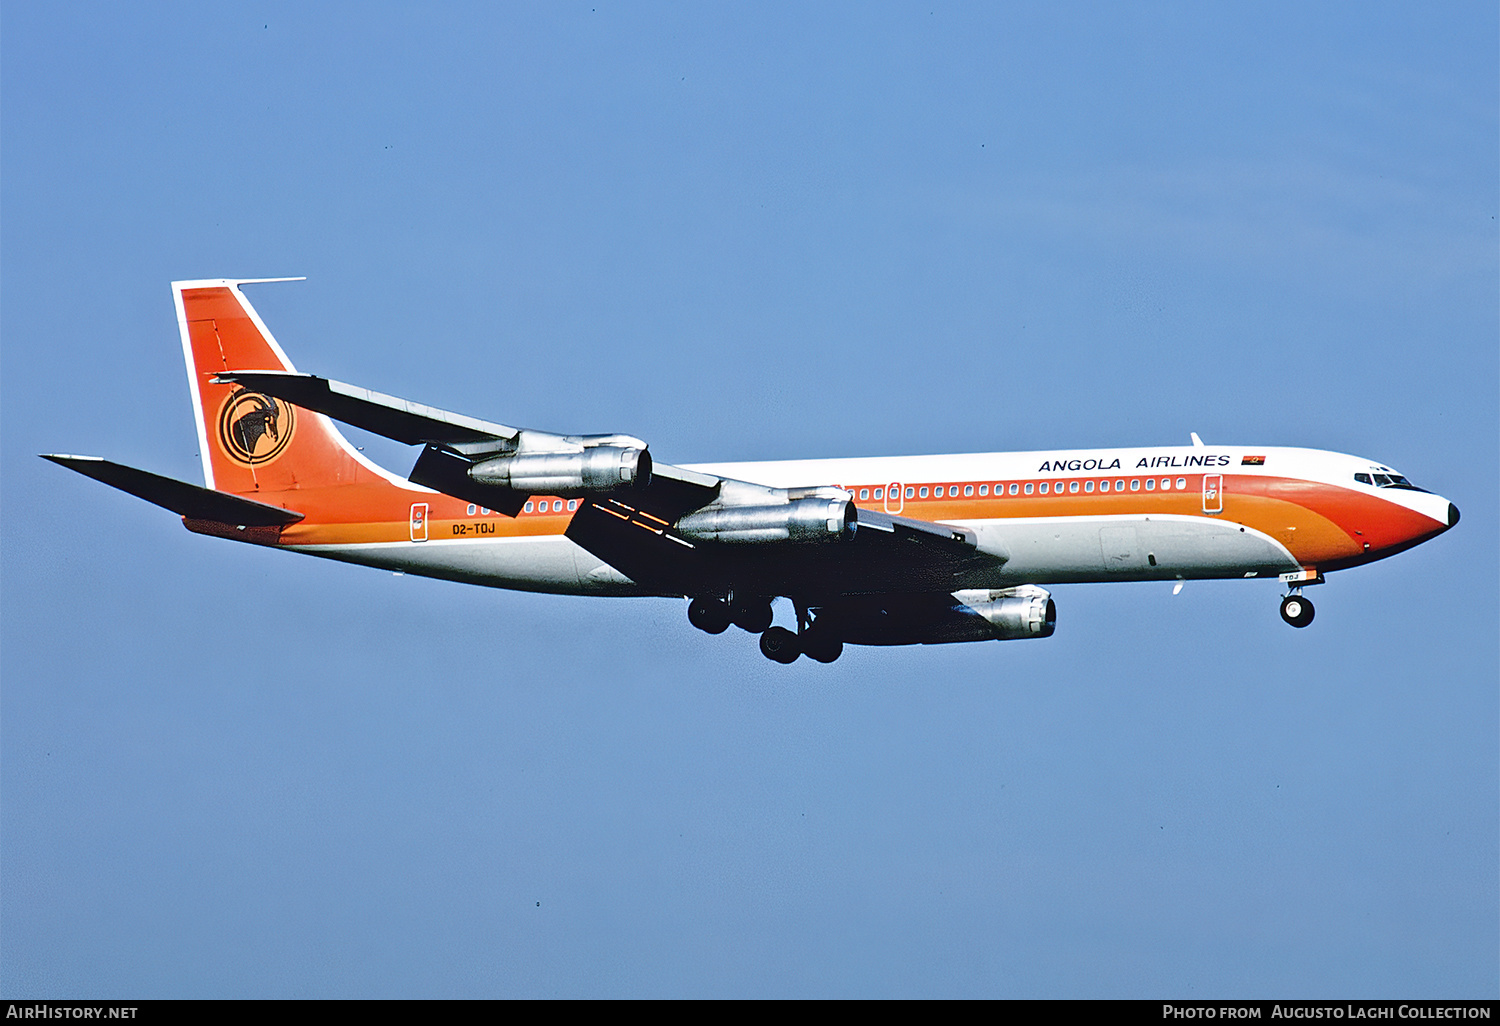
(873,551)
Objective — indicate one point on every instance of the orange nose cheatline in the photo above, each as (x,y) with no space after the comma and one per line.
(1411,525)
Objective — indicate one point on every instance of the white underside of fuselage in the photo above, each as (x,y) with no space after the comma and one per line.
(1043,550)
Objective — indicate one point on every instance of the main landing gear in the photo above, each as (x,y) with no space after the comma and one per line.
(1297,610)
(782,646)
(778,644)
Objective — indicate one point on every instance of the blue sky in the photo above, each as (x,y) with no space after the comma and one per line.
(749,232)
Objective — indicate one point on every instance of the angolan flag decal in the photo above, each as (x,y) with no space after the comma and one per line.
(1253,461)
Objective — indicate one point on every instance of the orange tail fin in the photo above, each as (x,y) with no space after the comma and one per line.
(251,442)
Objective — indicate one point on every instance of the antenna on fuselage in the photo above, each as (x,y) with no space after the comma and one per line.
(1197,442)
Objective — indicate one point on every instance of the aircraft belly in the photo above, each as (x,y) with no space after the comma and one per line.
(547,564)
(1085,549)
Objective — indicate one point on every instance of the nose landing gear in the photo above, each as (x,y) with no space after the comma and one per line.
(1297,610)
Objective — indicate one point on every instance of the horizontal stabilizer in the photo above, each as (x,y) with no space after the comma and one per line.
(376,412)
(187,500)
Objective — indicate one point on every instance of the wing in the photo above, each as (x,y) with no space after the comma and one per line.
(881,554)
(381,414)
(494,465)
(669,529)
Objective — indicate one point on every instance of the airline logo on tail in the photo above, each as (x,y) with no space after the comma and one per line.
(254,428)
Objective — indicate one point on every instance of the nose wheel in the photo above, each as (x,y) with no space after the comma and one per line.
(1296,610)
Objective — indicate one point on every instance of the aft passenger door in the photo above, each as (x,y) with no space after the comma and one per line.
(1213,493)
(894,501)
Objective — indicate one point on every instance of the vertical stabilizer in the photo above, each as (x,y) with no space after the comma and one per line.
(252,442)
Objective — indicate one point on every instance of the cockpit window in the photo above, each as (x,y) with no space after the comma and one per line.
(1388,480)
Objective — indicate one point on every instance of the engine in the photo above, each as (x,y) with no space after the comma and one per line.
(1014,613)
(1007,614)
(599,470)
(801,520)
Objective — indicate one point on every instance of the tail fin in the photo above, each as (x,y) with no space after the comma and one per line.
(251,442)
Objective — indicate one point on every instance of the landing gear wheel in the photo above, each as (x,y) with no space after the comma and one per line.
(709,614)
(780,645)
(819,646)
(753,615)
(1296,611)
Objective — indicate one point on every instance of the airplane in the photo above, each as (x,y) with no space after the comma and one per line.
(893,550)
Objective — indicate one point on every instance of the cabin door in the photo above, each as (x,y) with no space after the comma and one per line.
(1213,493)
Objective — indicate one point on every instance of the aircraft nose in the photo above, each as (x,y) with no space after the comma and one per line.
(1452,515)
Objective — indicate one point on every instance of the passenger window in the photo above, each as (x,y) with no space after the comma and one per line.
(484,511)
(1088,486)
(1028,487)
(527,507)
(1119,486)
(1014,488)
(984,489)
(880,493)
(1150,484)
(1042,488)
(864,493)
(1072,486)
(470,510)
(572,504)
(968,490)
(1181,483)
(557,505)
(1135,485)
(922,492)
(1166,484)
(908,491)
(1104,486)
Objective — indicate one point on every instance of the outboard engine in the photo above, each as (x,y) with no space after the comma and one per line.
(1006,614)
(1014,613)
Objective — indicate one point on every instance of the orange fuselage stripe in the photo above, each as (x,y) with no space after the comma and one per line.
(1318,523)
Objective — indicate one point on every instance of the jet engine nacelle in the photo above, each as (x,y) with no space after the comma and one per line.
(1008,614)
(1014,613)
(599,470)
(801,520)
